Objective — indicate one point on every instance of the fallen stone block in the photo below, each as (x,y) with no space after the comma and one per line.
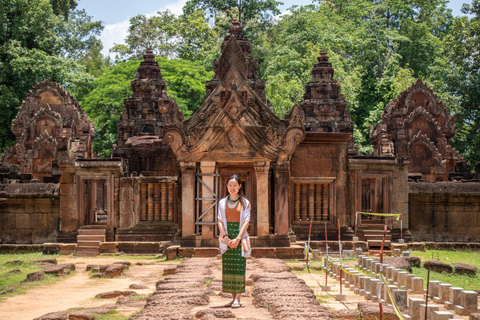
(114,294)
(79,315)
(438,266)
(442,315)
(34,276)
(463,268)
(53,316)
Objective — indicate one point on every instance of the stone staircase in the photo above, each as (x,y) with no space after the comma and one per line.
(88,240)
(373,235)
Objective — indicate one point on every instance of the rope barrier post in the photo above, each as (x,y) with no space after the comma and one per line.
(340,297)
(309,233)
(356,216)
(326,287)
(426,296)
(381,272)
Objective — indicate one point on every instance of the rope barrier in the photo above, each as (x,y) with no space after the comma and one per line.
(394,303)
(382,214)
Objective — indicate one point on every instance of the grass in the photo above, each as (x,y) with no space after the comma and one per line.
(464,281)
(26,266)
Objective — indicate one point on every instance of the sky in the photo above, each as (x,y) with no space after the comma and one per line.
(115,14)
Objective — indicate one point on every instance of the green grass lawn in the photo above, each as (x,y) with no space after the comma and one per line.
(449,257)
(25,266)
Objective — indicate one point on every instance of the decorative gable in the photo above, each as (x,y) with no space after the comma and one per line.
(418,127)
(51,128)
(234,123)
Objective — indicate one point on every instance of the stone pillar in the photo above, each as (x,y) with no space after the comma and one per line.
(282,179)
(188,198)
(208,185)
(70,216)
(261,172)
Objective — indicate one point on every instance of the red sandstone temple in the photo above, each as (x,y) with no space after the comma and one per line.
(166,175)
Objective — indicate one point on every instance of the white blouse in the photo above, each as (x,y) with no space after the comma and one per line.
(244,217)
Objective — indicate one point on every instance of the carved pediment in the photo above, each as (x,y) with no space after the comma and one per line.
(234,120)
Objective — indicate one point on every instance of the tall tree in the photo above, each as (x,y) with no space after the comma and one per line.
(157,33)
(242,10)
(463,43)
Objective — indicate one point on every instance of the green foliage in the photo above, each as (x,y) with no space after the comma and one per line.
(236,9)
(35,39)
(104,104)
(462,45)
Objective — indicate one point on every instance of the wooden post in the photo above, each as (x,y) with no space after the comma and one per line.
(340,254)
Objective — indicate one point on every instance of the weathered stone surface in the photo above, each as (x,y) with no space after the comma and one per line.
(346,314)
(114,294)
(414,261)
(130,302)
(114,270)
(35,276)
(79,315)
(60,269)
(438,266)
(53,316)
(46,261)
(137,286)
(463,268)
(399,262)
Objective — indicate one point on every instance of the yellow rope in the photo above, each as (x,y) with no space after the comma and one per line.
(382,214)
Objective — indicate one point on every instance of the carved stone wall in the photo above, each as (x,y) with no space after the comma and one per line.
(419,127)
(50,129)
(140,129)
(319,187)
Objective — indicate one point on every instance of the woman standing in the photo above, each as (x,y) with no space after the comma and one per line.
(233,221)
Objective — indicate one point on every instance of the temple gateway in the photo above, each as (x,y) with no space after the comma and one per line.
(166,174)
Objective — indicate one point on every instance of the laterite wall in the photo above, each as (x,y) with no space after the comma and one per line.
(444,211)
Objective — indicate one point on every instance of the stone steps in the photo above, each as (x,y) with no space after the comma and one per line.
(88,240)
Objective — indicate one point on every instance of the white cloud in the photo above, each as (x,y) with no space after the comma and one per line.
(117,32)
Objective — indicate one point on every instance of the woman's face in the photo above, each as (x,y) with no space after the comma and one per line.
(233,188)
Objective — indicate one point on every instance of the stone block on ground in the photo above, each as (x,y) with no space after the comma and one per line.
(414,261)
(399,263)
(114,270)
(401,297)
(469,300)
(114,294)
(443,315)
(414,307)
(137,286)
(454,295)
(430,311)
(34,276)
(80,315)
(463,268)
(438,266)
(53,316)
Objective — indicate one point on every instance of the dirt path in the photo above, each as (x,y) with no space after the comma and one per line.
(79,290)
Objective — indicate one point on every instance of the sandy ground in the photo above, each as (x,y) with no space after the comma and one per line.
(79,290)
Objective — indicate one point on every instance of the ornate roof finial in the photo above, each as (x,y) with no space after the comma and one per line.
(149,56)
(236,28)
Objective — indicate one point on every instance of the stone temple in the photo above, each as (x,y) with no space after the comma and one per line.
(166,174)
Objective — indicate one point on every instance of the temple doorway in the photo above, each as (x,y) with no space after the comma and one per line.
(246,175)
(96,211)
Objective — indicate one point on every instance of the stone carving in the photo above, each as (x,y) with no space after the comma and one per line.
(140,128)
(418,127)
(234,122)
(50,129)
(324,106)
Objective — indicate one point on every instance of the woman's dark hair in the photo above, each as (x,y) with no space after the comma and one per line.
(240,192)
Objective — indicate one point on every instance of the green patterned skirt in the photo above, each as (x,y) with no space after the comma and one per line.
(233,264)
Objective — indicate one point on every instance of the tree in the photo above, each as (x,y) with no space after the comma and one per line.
(32,49)
(104,104)
(241,10)
(157,33)
(463,43)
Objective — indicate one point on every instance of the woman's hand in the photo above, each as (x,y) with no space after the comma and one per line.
(234,243)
